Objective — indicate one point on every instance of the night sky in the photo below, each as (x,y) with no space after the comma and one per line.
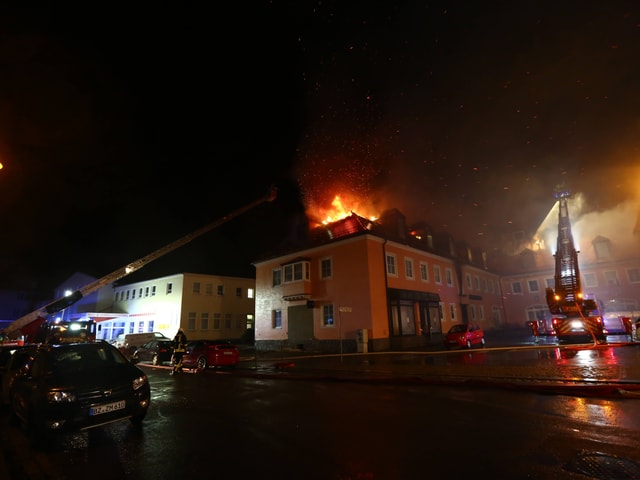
(123,129)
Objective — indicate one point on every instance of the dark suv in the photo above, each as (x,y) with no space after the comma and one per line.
(77,386)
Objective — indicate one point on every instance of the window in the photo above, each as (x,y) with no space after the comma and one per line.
(146,292)
(204,321)
(169,288)
(477,279)
(590,280)
(227,321)
(611,277)
(533,286)
(452,311)
(276,319)
(238,292)
(326,270)
(220,290)
(277,277)
(140,293)
(196,288)
(516,288)
(208,289)
(550,282)
(449,275)
(473,312)
(424,272)
(133,294)
(249,292)
(391,264)
(481,312)
(327,315)
(296,272)
(408,268)
(436,274)
(634,275)
(216,321)
(191,320)
(127,294)
(602,246)
(469,284)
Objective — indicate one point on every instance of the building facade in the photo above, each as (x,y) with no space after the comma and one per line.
(371,286)
(205,306)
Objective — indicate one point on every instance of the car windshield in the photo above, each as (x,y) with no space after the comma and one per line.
(86,358)
(458,329)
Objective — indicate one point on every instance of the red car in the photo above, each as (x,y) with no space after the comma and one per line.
(464,335)
(201,354)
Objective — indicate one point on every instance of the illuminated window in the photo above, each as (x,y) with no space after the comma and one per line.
(250,293)
(276,319)
(327,315)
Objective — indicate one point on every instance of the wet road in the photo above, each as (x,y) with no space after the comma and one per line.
(351,417)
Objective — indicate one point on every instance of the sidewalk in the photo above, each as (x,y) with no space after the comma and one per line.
(413,368)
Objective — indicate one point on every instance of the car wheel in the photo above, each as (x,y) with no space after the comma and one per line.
(155,360)
(202,363)
(468,343)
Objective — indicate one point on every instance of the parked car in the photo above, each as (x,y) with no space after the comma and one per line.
(156,351)
(201,354)
(131,341)
(77,386)
(464,335)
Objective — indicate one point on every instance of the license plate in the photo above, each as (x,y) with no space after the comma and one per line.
(109,407)
(227,353)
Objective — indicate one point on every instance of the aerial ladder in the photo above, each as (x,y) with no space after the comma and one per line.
(36,321)
(575,317)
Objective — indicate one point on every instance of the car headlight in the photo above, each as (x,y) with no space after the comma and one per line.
(139,382)
(60,396)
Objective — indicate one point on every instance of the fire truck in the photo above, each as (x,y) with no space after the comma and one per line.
(39,327)
(575,318)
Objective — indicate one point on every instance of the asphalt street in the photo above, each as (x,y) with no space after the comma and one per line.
(419,367)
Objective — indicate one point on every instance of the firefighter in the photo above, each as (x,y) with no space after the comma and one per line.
(179,347)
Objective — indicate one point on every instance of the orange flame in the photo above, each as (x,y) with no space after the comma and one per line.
(341,207)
